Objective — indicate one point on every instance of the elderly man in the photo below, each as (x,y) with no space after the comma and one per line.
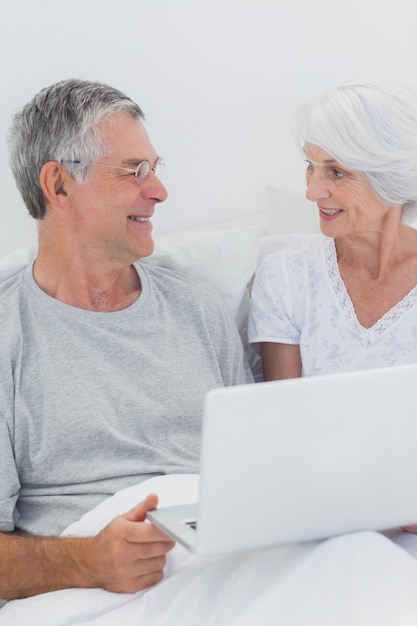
(104,361)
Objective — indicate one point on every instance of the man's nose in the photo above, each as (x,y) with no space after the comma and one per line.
(154,188)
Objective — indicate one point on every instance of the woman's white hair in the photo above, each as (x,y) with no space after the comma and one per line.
(369,126)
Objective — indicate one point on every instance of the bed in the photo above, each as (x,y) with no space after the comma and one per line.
(360,579)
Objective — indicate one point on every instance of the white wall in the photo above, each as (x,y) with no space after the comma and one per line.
(217,81)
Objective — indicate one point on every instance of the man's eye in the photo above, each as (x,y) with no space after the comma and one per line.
(337,173)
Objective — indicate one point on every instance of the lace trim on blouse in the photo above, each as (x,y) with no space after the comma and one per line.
(386,321)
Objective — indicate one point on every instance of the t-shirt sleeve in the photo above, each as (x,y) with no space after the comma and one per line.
(233,363)
(9,481)
(273,316)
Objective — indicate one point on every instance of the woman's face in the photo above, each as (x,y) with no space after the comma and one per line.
(347,203)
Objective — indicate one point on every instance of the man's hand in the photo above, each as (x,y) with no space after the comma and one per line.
(130,554)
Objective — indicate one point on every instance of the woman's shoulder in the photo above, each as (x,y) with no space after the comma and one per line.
(298,252)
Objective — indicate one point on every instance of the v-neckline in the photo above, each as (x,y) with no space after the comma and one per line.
(346,304)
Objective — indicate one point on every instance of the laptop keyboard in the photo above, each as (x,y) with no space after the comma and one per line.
(192,524)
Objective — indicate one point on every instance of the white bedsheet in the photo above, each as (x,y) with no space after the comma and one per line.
(363,579)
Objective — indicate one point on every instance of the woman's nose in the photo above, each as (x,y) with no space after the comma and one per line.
(316,187)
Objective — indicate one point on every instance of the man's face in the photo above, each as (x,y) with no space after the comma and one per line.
(111,211)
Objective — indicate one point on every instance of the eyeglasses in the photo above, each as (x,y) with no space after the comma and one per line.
(140,173)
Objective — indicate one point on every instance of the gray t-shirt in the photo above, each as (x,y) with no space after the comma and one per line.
(91,403)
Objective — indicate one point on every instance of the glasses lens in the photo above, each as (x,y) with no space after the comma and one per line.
(142,171)
(158,168)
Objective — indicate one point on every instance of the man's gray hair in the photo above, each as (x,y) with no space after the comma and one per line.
(59,124)
(369,126)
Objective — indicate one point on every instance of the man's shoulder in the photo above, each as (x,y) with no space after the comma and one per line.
(9,287)
(181,288)
(13,310)
(16,261)
(170,276)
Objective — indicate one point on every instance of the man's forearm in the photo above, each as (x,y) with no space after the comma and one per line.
(126,556)
(33,565)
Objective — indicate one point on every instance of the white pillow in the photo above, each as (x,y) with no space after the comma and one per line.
(225,259)
(289,211)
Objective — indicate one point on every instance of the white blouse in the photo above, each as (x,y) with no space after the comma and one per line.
(299,297)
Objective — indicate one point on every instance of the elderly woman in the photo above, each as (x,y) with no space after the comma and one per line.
(348,300)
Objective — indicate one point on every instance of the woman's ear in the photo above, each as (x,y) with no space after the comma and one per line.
(55,181)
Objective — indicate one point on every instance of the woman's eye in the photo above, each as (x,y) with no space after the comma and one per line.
(337,173)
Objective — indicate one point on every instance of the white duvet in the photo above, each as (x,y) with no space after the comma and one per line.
(362,579)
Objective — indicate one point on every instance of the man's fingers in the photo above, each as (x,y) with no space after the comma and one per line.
(138,513)
(151,540)
(146,533)
(130,552)
(138,583)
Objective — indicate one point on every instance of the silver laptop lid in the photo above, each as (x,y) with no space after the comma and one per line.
(308,458)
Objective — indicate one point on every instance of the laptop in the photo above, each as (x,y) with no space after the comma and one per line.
(302,459)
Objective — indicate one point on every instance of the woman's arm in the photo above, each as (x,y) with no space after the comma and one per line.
(280,360)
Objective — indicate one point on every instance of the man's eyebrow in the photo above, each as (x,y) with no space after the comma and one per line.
(133,163)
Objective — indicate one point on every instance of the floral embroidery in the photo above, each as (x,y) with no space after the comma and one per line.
(299,297)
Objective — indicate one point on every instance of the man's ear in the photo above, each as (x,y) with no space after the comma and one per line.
(55,182)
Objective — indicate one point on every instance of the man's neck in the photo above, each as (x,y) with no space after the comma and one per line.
(94,288)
